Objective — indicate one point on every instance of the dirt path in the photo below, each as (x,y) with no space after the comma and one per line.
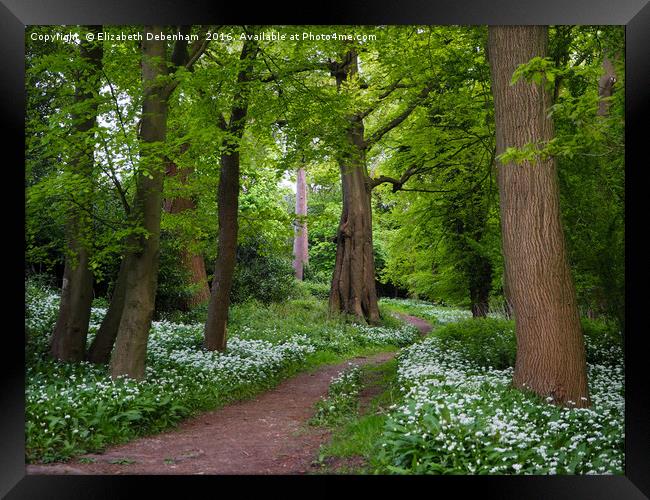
(268,434)
(264,435)
(424,326)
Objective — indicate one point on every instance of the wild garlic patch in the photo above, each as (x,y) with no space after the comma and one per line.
(460,417)
(73,408)
(342,399)
(440,314)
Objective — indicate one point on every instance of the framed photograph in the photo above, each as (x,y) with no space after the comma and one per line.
(219,198)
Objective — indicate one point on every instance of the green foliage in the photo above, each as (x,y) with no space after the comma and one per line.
(261,276)
(77,408)
(529,153)
(539,70)
(342,401)
(458,416)
(591,167)
(487,342)
(174,287)
(313,289)
(438,237)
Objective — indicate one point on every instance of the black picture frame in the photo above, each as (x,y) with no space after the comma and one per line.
(634,14)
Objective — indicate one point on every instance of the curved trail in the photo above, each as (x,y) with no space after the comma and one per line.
(267,434)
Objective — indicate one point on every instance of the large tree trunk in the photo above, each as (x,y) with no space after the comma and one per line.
(353,288)
(300,242)
(215,334)
(102,345)
(71,329)
(192,261)
(353,283)
(141,270)
(550,347)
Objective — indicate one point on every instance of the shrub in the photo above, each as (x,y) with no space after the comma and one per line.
(490,342)
(174,280)
(260,276)
(603,341)
(485,341)
(315,289)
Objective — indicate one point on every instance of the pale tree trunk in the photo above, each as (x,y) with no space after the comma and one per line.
(550,346)
(71,329)
(300,242)
(353,288)
(192,262)
(215,334)
(606,86)
(141,273)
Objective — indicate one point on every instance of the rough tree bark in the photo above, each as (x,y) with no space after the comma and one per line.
(192,261)
(71,329)
(550,347)
(300,241)
(228,206)
(353,282)
(138,275)
(353,290)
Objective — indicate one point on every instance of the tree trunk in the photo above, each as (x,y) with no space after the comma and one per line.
(480,284)
(353,288)
(353,283)
(300,242)
(102,345)
(71,329)
(606,86)
(550,347)
(192,261)
(215,334)
(141,268)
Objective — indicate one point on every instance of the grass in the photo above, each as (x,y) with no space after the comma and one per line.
(355,435)
(411,307)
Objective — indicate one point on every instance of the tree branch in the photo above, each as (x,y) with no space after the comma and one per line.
(182,58)
(121,192)
(378,134)
(387,91)
(119,116)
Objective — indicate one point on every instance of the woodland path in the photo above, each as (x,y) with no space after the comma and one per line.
(267,434)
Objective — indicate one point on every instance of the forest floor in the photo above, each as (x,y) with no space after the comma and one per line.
(268,434)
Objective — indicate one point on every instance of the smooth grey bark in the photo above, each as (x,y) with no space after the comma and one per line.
(215,333)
